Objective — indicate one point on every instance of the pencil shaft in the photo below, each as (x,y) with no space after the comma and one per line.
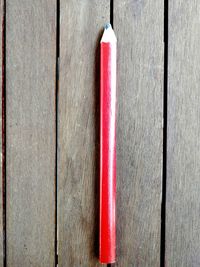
(108,153)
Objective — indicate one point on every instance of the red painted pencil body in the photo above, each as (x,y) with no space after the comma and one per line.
(107,240)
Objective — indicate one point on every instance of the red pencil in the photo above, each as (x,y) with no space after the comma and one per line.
(107,240)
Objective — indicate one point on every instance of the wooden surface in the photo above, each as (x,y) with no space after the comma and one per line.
(30,132)
(139,28)
(81,25)
(52,148)
(183,165)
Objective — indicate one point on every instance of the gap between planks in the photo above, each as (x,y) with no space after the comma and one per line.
(165,105)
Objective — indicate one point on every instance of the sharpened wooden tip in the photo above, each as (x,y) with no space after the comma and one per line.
(108,34)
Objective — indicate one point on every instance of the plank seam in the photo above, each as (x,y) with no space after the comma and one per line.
(56,125)
(4,130)
(111,13)
(165,105)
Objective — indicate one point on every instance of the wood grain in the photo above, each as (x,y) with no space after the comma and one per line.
(30,135)
(1,137)
(81,25)
(139,29)
(183,168)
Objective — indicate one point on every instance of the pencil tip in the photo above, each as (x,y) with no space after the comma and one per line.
(108,34)
(107,26)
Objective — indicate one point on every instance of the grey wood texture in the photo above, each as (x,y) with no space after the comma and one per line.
(30,132)
(81,25)
(183,164)
(1,159)
(139,29)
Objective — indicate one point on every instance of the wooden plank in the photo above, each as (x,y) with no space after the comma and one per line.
(78,130)
(139,28)
(30,132)
(183,153)
(1,131)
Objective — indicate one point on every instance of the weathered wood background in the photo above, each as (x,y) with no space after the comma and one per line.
(50,132)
